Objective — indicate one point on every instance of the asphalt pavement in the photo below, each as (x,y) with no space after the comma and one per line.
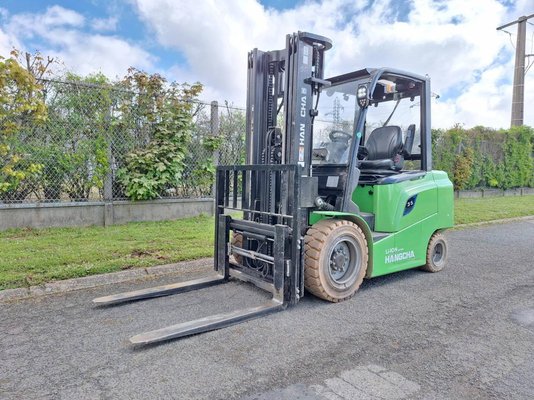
(464,333)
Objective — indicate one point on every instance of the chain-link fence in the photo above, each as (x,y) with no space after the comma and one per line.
(82,148)
(79,151)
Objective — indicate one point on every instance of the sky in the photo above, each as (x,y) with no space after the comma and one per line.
(455,42)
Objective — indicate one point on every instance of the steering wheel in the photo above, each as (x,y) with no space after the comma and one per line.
(337,136)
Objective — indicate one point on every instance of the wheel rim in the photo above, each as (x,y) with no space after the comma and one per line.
(344,260)
(438,254)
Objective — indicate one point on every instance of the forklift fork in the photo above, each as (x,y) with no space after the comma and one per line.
(282,252)
(200,325)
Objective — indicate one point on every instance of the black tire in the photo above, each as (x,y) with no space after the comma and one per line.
(436,253)
(336,257)
(237,240)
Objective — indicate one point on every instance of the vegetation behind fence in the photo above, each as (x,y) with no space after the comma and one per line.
(484,157)
(99,141)
(86,138)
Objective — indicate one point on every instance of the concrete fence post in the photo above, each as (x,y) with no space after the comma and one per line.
(108,189)
(108,179)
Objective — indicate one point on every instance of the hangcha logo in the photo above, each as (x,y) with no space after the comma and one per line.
(399,255)
(303,103)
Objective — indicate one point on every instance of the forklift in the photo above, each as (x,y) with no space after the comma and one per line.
(338,186)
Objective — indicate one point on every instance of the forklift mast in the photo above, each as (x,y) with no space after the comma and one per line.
(279,121)
(287,79)
(280,112)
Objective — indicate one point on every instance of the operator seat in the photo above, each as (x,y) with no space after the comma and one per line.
(384,149)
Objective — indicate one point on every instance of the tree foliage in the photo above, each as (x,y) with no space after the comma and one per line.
(166,108)
(225,146)
(21,104)
(484,157)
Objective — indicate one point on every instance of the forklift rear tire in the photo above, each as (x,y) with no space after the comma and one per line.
(436,253)
(336,256)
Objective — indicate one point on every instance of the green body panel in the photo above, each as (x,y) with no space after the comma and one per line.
(387,202)
(409,232)
(404,249)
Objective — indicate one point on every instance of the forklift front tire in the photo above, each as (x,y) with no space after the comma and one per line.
(336,257)
(436,253)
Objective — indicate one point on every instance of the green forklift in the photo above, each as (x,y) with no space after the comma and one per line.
(338,186)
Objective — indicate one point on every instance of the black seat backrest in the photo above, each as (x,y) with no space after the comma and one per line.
(384,143)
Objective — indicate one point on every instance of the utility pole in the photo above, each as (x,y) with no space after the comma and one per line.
(518,97)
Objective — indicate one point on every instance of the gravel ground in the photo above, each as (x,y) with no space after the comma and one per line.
(465,333)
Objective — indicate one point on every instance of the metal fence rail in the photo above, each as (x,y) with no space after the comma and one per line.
(82,146)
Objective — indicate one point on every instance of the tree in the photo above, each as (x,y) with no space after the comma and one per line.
(76,155)
(21,104)
(166,110)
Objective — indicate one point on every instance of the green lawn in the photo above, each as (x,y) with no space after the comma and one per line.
(34,256)
(467,211)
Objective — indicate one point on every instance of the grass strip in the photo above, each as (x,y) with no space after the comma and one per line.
(34,256)
(467,211)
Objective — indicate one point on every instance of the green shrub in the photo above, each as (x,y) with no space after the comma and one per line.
(150,170)
(20,104)
(463,169)
(518,163)
(484,157)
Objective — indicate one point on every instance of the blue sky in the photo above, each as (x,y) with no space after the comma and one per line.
(128,24)
(453,41)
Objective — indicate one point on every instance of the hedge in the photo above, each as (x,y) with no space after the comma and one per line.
(484,157)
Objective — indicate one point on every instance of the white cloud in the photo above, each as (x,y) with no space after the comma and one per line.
(7,43)
(104,24)
(58,16)
(455,42)
(107,54)
(215,36)
(482,103)
(59,32)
